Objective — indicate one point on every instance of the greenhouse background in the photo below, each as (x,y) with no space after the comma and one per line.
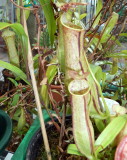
(7,10)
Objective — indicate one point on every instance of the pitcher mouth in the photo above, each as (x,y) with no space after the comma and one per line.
(78,87)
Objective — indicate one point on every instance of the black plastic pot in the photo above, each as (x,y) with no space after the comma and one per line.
(34,146)
(21,151)
(5,130)
(37,140)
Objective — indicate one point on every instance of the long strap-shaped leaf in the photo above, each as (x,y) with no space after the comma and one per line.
(109,133)
(49,15)
(16,26)
(15,70)
(60,48)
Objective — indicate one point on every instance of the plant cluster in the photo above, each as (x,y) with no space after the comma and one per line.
(82,62)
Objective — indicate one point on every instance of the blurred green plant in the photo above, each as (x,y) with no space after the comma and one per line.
(13,53)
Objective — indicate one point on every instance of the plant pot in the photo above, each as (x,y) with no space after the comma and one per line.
(37,141)
(5,130)
(56,89)
(21,151)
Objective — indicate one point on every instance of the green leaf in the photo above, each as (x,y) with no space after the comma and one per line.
(98,9)
(17,114)
(108,27)
(22,120)
(82,16)
(44,95)
(109,133)
(17,71)
(15,99)
(60,48)
(115,41)
(99,124)
(116,95)
(99,74)
(13,81)
(72,149)
(114,66)
(51,72)
(123,34)
(49,15)
(95,42)
(122,54)
(2,99)
(124,51)
(16,26)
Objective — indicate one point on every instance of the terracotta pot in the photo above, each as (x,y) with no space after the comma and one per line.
(56,93)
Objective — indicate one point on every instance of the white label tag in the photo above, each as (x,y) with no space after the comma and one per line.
(9,156)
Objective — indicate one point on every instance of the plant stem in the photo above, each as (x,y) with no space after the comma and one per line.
(30,64)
